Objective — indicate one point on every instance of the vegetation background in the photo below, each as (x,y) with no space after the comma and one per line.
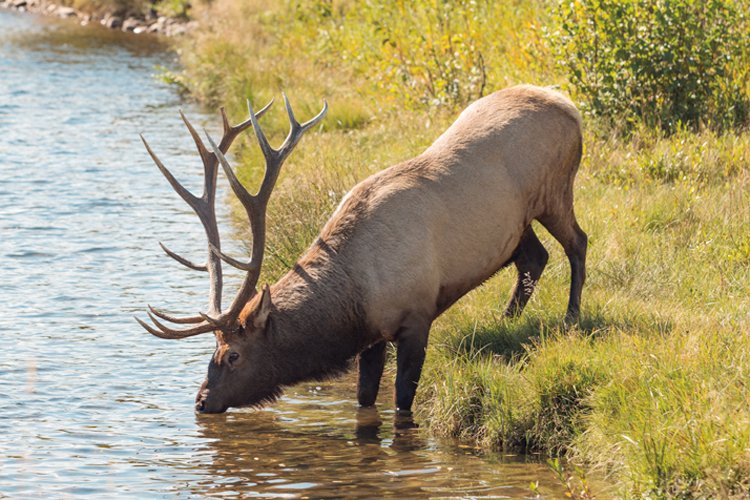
(136,8)
(650,389)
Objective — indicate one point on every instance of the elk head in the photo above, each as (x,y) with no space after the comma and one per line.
(238,374)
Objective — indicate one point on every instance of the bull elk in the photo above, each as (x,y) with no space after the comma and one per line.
(401,248)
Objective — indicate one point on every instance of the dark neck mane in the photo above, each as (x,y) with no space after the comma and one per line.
(317,325)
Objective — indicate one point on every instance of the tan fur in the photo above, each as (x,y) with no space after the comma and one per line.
(419,235)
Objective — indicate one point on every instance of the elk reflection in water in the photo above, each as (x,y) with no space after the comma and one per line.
(314,444)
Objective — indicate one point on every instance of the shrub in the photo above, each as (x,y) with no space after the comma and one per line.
(426,53)
(173,8)
(666,63)
(433,48)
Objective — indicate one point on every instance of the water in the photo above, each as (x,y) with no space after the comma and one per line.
(92,404)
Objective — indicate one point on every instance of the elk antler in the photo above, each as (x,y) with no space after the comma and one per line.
(255,206)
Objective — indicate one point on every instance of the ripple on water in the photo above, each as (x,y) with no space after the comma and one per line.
(28,254)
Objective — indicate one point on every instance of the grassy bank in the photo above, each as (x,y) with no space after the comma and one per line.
(650,388)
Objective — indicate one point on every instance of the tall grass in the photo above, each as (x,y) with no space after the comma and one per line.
(650,387)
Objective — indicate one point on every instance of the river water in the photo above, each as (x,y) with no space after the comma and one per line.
(92,404)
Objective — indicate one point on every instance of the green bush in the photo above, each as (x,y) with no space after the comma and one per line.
(173,8)
(668,63)
(433,48)
(429,53)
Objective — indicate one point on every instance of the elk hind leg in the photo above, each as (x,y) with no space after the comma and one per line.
(530,259)
(574,241)
(371,363)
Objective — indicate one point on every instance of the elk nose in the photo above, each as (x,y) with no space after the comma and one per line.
(200,398)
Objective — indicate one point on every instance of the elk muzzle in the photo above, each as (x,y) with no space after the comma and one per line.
(205,404)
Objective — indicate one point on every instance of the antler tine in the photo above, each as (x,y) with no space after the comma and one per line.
(296,130)
(314,121)
(174,319)
(266,148)
(205,154)
(172,333)
(225,120)
(308,124)
(243,266)
(245,197)
(183,260)
(242,126)
(186,195)
(217,323)
(151,330)
(169,334)
(292,120)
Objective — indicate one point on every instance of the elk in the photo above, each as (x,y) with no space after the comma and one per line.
(401,248)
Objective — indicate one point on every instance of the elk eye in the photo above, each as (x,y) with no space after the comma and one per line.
(233,356)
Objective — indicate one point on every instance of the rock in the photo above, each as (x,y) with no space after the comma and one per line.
(176,28)
(65,12)
(112,21)
(149,22)
(130,24)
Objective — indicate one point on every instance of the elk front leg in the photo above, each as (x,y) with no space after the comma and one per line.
(371,362)
(412,342)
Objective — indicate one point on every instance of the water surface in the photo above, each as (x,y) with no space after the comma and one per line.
(92,404)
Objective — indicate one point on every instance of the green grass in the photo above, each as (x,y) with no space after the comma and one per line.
(651,387)
(649,390)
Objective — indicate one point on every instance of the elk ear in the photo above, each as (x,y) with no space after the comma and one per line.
(260,316)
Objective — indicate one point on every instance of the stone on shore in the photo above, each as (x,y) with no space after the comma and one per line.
(111,21)
(134,23)
(66,12)
(130,24)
